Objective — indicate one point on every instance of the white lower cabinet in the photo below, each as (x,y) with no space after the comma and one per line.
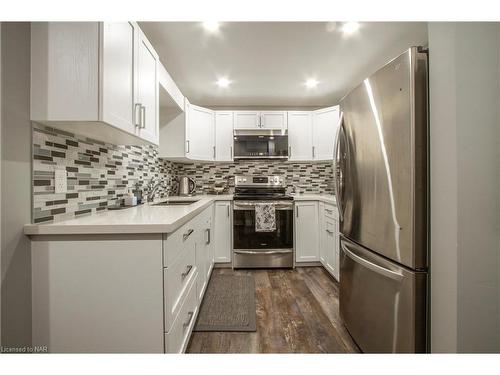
(140,292)
(176,278)
(306,232)
(187,279)
(317,235)
(222,229)
(98,293)
(329,239)
(177,338)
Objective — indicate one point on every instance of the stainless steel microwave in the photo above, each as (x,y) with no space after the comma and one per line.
(261,145)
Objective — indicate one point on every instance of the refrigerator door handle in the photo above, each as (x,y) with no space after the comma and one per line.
(336,170)
(372,266)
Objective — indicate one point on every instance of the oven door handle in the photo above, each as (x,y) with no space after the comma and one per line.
(269,252)
(251,206)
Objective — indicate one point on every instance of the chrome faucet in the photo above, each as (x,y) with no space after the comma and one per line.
(152,189)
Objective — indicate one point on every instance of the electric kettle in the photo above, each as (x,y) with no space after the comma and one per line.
(186,186)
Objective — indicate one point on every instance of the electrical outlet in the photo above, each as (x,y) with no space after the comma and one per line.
(61,181)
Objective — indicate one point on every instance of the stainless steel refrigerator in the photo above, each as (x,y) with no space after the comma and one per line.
(381,189)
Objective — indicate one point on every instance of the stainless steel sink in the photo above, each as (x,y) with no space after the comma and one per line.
(175,203)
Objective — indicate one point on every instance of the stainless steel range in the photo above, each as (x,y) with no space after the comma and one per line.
(257,249)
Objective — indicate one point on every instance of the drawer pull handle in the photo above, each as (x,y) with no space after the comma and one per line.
(188,270)
(188,322)
(187,234)
(329,211)
(208,236)
(329,231)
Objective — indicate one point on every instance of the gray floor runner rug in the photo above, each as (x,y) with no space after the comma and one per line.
(228,305)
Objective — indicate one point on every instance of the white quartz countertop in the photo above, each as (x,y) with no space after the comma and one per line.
(144,219)
(326,198)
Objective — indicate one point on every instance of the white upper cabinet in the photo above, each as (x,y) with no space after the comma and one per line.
(87,78)
(300,135)
(147,89)
(224,135)
(200,133)
(325,124)
(246,119)
(273,120)
(118,96)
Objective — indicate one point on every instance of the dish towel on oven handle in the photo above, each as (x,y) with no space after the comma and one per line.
(265,217)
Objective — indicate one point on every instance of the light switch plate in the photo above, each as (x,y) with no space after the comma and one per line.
(61,181)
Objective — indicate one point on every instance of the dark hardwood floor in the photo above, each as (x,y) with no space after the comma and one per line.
(297,312)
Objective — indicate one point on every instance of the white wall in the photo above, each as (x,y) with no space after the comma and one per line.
(16,185)
(464,87)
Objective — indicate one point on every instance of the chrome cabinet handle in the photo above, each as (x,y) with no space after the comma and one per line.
(314,152)
(187,234)
(297,210)
(188,270)
(188,322)
(231,148)
(228,211)
(187,147)
(329,231)
(289,151)
(209,239)
(143,117)
(214,151)
(137,114)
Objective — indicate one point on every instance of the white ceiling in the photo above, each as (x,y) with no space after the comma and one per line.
(268,62)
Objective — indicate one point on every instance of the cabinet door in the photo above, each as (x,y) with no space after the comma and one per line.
(330,235)
(201,133)
(117,89)
(273,120)
(336,253)
(306,232)
(222,232)
(208,246)
(300,135)
(246,119)
(147,89)
(325,123)
(224,136)
(201,261)
(323,256)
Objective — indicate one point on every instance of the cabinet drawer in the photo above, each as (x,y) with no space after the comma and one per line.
(330,227)
(174,243)
(331,212)
(176,278)
(176,339)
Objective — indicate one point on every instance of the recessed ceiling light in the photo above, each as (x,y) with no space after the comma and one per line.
(350,27)
(311,83)
(211,26)
(223,82)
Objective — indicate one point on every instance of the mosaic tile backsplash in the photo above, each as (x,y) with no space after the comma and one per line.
(100,174)
(314,178)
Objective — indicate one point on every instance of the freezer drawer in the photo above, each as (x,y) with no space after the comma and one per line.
(382,304)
